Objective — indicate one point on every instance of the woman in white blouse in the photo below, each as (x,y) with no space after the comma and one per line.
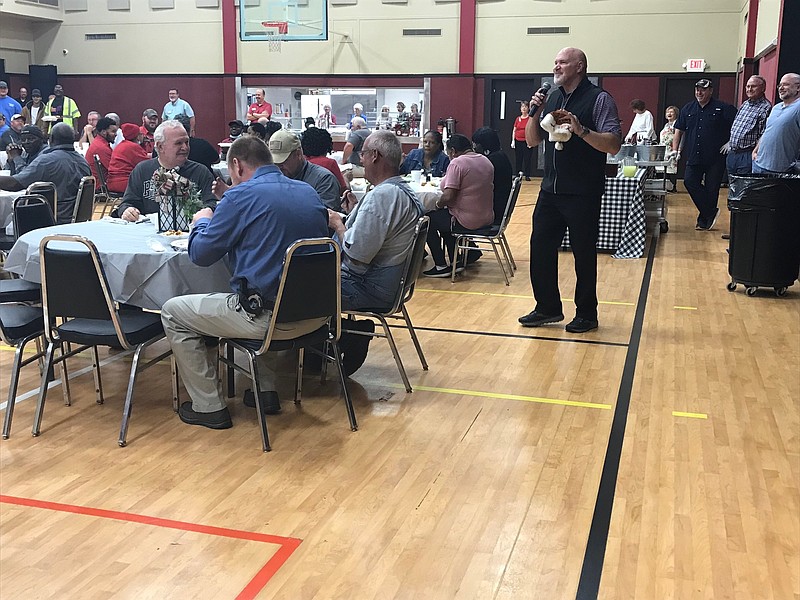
(642,127)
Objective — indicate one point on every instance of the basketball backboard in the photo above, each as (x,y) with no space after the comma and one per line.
(295,20)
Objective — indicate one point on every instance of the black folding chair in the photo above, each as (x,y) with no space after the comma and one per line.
(31,212)
(75,291)
(84,202)
(411,271)
(109,198)
(310,288)
(494,236)
(20,324)
(47,190)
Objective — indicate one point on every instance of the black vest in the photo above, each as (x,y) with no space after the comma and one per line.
(578,168)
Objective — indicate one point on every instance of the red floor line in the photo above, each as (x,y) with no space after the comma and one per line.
(287,545)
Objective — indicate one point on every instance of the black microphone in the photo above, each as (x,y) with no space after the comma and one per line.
(545,88)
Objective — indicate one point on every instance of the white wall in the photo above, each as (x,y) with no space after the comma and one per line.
(767,28)
(619,36)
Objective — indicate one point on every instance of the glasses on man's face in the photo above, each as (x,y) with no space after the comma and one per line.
(372,150)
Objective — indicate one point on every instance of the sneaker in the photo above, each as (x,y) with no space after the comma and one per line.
(581,325)
(437,272)
(710,225)
(527,179)
(726,236)
(537,319)
(270,403)
(219,419)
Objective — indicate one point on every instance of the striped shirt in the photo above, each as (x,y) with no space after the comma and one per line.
(749,124)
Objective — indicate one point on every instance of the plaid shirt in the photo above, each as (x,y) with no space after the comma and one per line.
(749,124)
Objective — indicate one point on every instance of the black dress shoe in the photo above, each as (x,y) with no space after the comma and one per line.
(270,403)
(219,419)
(581,325)
(537,319)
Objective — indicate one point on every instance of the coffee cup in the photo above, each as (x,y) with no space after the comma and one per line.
(416,176)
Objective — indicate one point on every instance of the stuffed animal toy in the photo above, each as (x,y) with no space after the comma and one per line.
(556,124)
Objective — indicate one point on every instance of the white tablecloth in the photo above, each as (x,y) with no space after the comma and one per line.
(137,274)
(7,207)
(428,194)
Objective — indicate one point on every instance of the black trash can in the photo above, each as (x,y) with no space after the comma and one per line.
(765,231)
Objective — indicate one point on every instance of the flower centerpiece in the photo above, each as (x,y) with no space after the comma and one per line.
(178,199)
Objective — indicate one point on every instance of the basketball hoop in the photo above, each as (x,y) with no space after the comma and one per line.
(276,33)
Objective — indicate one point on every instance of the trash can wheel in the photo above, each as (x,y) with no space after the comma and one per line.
(731,286)
(780,291)
(663,226)
(751,291)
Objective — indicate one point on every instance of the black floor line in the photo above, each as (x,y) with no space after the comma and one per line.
(518,336)
(589,583)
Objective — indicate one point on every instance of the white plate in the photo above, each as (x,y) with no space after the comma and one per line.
(181,245)
(225,144)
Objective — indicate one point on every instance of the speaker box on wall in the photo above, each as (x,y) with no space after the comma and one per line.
(43,78)
(3,69)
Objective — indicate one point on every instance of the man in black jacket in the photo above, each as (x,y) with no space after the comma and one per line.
(572,189)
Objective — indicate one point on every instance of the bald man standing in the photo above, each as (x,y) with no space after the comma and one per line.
(778,150)
(572,189)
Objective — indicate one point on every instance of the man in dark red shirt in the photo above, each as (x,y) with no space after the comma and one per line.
(149,124)
(101,146)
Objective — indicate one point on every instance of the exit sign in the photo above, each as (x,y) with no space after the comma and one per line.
(695,65)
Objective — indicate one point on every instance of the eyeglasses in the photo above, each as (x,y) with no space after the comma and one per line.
(373,150)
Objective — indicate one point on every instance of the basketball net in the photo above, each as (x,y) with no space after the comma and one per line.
(276,33)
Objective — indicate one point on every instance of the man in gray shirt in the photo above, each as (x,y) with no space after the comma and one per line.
(355,142)
(59,164)
(287,154)
(380,228)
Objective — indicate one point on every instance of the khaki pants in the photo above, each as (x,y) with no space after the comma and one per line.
(187,319)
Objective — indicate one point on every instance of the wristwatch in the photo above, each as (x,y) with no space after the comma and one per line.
(586,131)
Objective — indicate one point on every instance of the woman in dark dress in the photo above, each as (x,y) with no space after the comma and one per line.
(487,142)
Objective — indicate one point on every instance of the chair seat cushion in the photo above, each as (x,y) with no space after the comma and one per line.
(489,231)
(138,327)
(19,290)
(20,321)
(315,337)
(6,242)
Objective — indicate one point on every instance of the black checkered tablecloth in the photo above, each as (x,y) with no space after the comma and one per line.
(622,217)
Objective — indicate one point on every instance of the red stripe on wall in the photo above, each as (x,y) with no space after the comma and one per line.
(466,44)
(230,51)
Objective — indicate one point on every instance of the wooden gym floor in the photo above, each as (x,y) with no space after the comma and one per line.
(658,457)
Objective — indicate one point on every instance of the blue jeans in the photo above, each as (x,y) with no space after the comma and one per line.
(703,183)
(740,162)
(375,290)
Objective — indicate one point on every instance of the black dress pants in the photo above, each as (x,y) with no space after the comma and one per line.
(551,217)
(523,156)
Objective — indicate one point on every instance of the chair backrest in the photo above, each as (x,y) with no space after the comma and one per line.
(310,285)
(516,186)
(101,174)
(84,203)
(74,283)
(46,189)
(31,212)
(414,262)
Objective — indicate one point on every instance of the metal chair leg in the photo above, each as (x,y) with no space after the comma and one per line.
(126,411)
(395,353)
(298,389)
(12,390)
(175,394)
(65,377)
(508,250)
(348,403)
(499,262)
(410,327)
(454,260)
(262,419)
(48,364)
(98,382)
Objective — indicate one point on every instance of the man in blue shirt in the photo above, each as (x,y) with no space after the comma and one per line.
(253,224)
(778,150)
(178,106)
(8,106)
(706,123)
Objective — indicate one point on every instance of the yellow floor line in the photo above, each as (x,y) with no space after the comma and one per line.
(527,297)
(536,399)
(689,415)
(685,307)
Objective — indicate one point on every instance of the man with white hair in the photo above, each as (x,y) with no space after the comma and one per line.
(778,150)
(172,145)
